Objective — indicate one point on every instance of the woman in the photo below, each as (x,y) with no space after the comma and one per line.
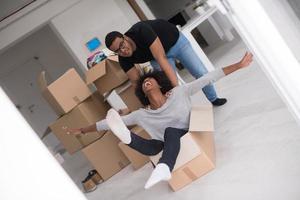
(166,117)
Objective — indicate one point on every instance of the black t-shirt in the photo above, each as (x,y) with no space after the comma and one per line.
(143,34)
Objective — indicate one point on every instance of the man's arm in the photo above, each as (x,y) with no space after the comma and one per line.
(158,53)
(133,75)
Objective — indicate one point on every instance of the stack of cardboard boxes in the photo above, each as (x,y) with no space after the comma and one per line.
(72,100)
(76,106)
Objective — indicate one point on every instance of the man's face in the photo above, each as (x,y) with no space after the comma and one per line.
(122,47)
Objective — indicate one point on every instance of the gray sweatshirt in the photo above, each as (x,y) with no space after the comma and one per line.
(175,112)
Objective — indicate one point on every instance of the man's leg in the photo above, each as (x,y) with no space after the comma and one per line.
(184,52)
(156,66)
(170,152)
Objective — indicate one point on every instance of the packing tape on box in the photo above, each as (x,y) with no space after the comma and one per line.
(189,173)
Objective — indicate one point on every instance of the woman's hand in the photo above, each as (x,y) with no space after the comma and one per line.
(74,131)
(246,60)
(124,111)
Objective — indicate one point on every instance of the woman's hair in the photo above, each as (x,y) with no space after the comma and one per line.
(162,80)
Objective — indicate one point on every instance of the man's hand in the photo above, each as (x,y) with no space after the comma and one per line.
(246,60)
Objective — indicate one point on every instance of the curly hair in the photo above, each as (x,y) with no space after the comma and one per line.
(162,80)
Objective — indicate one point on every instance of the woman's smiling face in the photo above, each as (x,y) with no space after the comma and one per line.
(149,84)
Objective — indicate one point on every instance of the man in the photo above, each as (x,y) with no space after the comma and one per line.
(159,42)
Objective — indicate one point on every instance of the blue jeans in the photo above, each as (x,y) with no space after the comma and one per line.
(183,51)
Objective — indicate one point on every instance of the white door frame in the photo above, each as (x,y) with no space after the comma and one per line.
(275,57)
(28,170)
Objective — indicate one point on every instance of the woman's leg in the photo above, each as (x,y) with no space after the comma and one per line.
(144,146)
(170,152)
(171,146)
(117,126)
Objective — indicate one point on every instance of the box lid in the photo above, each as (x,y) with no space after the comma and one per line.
(98,70)
(95,72)
(66,92)
(201,119)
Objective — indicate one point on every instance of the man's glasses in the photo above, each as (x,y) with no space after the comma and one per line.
(121,47)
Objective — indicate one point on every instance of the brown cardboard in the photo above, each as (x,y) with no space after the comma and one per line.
(127,94)
(90,111)
(105,155)
(136,159)
(198,166)
(66,92)
(201,119)
(106,75)
(197,152)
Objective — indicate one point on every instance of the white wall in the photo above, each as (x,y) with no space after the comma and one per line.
(286,21)
(28,170)
(42,43)
(86,20)
(127,11)
(52,56)
(27,24)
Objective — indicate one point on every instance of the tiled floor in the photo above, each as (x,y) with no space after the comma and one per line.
(257,145)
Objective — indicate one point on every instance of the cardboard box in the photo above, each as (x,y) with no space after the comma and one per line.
(127,94)
(115,101)
(106,75)
(124,97)
(197,152)
(66,92)
(88,112)
(106,156)
(136,159)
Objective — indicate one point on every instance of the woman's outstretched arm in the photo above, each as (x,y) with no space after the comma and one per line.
(211,77)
